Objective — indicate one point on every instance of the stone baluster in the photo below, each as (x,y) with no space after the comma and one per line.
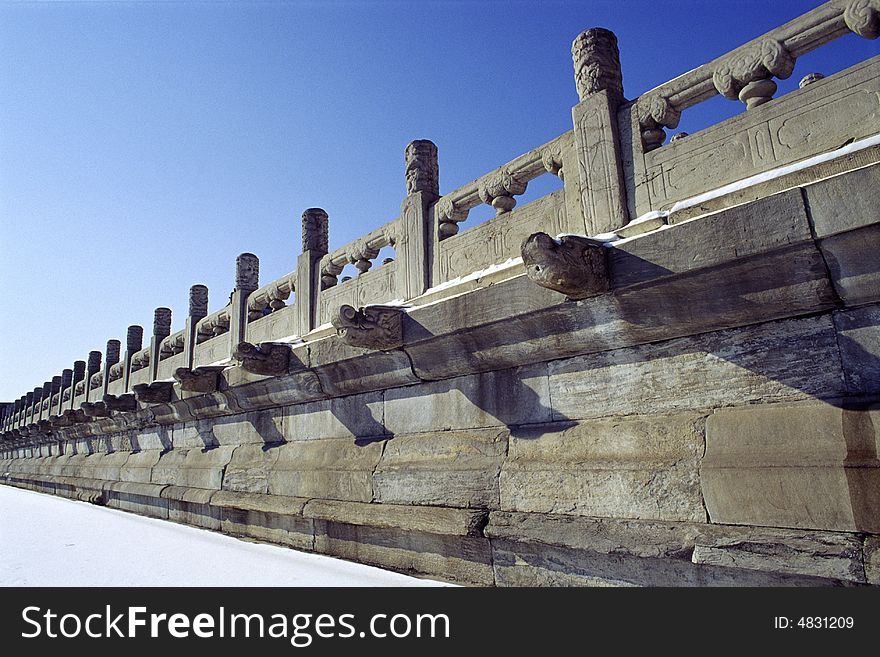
(198,310)
(111,358)
(56,390)
(161,330)
(134,338)
(600,196)
(747,74)
(309,278)
(46,400)
(66,382)
(93,367)
(79,374)
(247,279)
(29,409)
(415,245)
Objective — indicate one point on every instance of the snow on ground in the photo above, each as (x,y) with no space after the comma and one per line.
(52,541)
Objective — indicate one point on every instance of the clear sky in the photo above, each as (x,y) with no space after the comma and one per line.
(144,145)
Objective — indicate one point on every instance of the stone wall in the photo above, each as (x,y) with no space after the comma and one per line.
(692,400)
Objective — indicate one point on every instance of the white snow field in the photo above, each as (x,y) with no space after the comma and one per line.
(52,541)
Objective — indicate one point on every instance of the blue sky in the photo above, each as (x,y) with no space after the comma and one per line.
(144,145)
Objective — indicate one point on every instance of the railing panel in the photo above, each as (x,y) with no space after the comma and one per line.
(499,239)
(168,365)
(818,118)
(211,351)
(279,324)
(373,287)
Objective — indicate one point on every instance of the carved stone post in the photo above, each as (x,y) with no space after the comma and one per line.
(415,242)
(79,373)
(111,357)
(198,310)
(134,342)
(247,279)
(599,191)
(66,380)
(46,400)
(35,409)
(315,234)
(92,368)
(161,330)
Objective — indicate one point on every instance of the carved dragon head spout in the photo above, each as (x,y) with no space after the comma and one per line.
(573,265)
(266,358)
(371,327)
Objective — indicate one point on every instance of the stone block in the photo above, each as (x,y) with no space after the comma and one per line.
(820,554)
(808,465)
(272,518)
(192,506)
(846,201)
(791,359)
(858,336)
(193,468)
(428,519)
(253,427)
(156,437)
(769,224)
(354,416)
(143,498)
(248,469)
(330,469)
(449,468)
(639,467)
(139,466)
(503,398)
(872,560)
(346,370)
(457,558)
(854,265)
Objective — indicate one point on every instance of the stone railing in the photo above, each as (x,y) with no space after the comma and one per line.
(615,169)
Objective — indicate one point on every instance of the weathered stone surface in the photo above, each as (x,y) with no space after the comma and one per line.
(506,397)
(142,498)
(833,556)
(191,506)
(811,465)
(858,336)
(758,363)
(763,226)
(330,469)
(429,519)
(272,518)
(150,438)
(347,370)
(248,469)
(193,468)
(872,560)
(353,416)
(138,467)
(449,468)
(845,201)
(641,467)
(255,427)
(854,265)
(200,379)
(458,558)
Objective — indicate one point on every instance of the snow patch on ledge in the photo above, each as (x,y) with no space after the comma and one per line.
(507,264)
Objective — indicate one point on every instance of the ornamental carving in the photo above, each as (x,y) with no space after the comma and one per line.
(122,403)
(266,358)
(551,158)
(573,265)
(654,112)
(596,61)
(863,18)
(497,189)
(422,171)
(95,409)
(158,392)
(200,379)
(371,327)
(746,73)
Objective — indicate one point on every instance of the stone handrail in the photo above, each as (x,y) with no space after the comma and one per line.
(272,296)
(217,323)
(360,253)
(747,72)
(499,187)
